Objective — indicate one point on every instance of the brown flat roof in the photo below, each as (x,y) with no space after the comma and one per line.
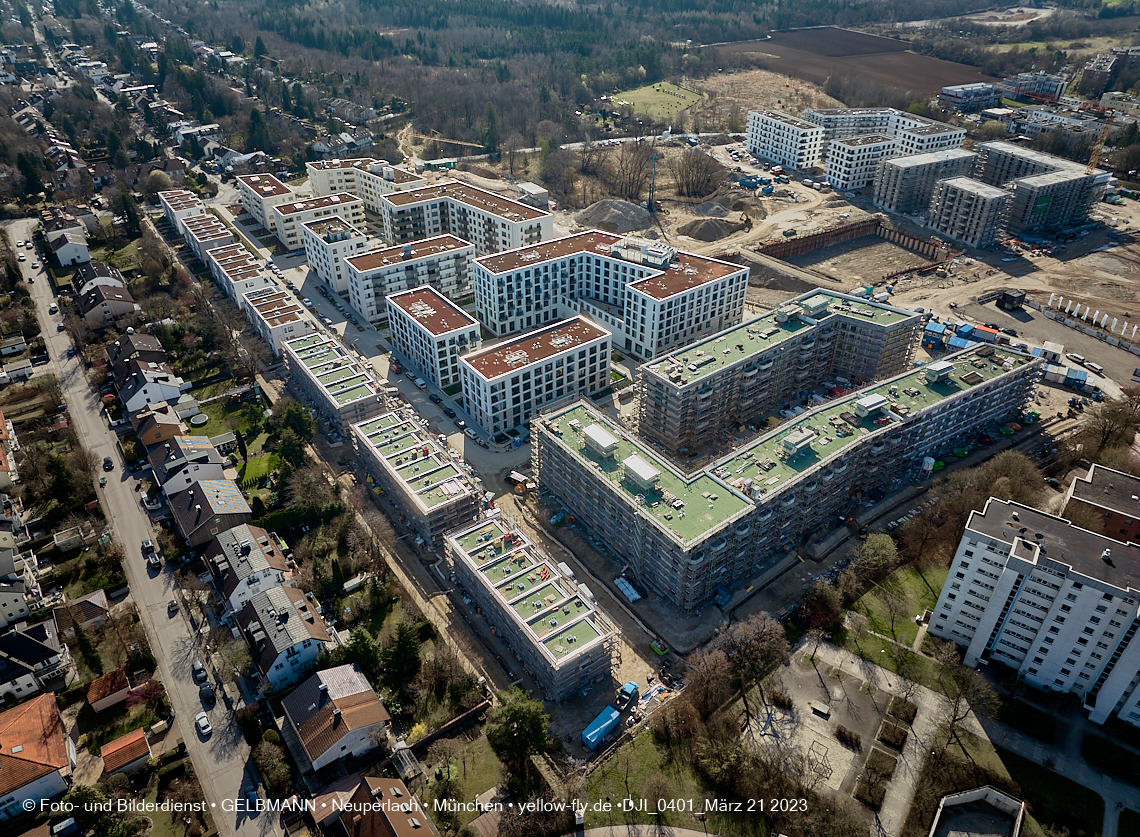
(276,306)
(470,195)
(432,310)
(323,227)
(435,246)
(353,163)
(594,241)
(533,347)
(265,185)
(687,271)
(318,203)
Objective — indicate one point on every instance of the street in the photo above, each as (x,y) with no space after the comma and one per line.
(222,761)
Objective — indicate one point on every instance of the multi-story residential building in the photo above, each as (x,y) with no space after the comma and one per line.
(42,768)
(742,375)
(431,332)
(489,221)
(851,162)
(969,98)
(915,134)
(443,262)
(178,204)
(1098,73)
(247,560)
(366,178)
(277,317)
(504,386)
(208,508)
(968,211)
(650,296)
(290,216)
(550,620)
(205,233)
(1037,85)
(327,244)
(285,635)
(1047,192)
(259,193)
(342,388)
(182,462)
(1113,496)
(236,270)
(1054,602)
(784,139)
(430,490)
(336,715)
(905,184)
(691,538)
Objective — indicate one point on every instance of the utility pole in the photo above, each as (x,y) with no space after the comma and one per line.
(653,182)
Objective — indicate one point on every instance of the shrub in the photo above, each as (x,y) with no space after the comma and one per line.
(272,736)
(848,738)
(781,699)
(893,735)
(902,709)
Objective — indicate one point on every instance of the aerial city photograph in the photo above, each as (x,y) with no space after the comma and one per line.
(569,418)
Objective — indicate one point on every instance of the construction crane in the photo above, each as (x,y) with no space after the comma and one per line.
(445,139)
(1098,146)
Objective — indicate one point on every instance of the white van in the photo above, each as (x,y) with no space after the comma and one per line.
(470,434)
(1094,367)
(421,383)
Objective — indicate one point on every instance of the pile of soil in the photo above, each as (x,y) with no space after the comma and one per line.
(709,229)
(710,208)
(614,216)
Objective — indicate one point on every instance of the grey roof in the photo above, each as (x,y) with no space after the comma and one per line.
(1037,535)
(276,620)
(181,451)
(1110,490)
(206,499)
(242,551)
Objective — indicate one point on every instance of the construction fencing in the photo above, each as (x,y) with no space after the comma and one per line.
(877,225)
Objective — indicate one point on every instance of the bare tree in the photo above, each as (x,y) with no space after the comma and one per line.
(965,691)
(695,173)
(512,145)
(630,170)
(708,675)
(894,603)
(754,648)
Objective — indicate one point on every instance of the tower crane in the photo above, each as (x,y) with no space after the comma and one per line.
(1098,147)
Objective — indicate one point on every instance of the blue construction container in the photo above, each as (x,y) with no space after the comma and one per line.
(600,727)
(964,330)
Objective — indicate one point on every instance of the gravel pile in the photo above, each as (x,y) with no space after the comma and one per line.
(614,216)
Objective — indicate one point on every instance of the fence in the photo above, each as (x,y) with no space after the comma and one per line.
(1084,328)
(877,225)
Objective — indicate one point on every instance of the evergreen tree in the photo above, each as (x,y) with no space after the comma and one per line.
(259,50)
(491,130)
(258,138)
(26,163)
(239,440)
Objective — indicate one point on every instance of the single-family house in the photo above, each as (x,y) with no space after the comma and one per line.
(183,461)
(248,560)
(148,384)
(135,346)
(157,425)
(284,633)
(33,647)
(383,807)
(208,508)
(89,611)
(38,756)
(104,305)
(70,248)
(335,714)
(13,602)
(96,273)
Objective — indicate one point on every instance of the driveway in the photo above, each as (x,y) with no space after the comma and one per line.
(221,761)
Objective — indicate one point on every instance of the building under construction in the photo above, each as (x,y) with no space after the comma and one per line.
(744,374)
(551,622)
(905,184)
(968,211)
(1047,193)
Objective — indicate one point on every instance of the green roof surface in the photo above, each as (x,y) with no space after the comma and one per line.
(337,372)
(708,503)
(834,433)
(434,479)
(720,350)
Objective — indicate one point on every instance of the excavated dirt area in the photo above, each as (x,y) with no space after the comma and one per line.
(860,261)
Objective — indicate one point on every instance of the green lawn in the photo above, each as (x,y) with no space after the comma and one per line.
(112,723)
(1054,800)
(663,100)
(915,589)
(477,770)
(1112,759)
(1028,719)
(259,467)
(893,657)
(625,774)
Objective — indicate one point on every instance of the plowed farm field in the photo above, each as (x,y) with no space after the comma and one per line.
(815,54)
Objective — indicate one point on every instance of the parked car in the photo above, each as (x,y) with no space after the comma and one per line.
(434,399)
(206,693)
(450,413)
(202,722)
(108,465)
(199,671)
(172,608)
(460,423)
(1012,332)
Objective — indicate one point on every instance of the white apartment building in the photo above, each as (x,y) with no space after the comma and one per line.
(851,162)
(431,332)
(489,221)
(288,217)
(327,244)
(366,178)
(505,386)
(443,262)
(651,297)
(178,204)
(204,233)
(1052,601)
(236,270)
(260,193)
(277,317)
(784,139)
(915,134)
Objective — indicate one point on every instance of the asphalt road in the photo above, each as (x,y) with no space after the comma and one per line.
(222,760)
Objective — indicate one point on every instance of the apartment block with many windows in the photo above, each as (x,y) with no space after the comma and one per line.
(1050,600)
(915,134)
(277,317)
(236,270)
(178,204)
(204,233)
(851,162)
(504,386)
(489,221)
(330,379)
(328,243)
(428,489)
(537,605)
(968,211)
(431,332)
(695,538)
(651,296)
(784,139)
(259,193)
(1113,496)
(905,184)
(366,178)
(289,217)
(443,262)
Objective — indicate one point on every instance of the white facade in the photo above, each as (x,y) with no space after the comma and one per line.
(652,297)
(13,603)
(443,262)
(851,162)
(178,204)
(505,386)
(1055,602)
(784,139)
(204,233)
(277,317)
(237,272)
(431,332)
(327,244)
(158,387)
(366,178)
(288,217)
(46,787)
(260,193)
(915,134)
